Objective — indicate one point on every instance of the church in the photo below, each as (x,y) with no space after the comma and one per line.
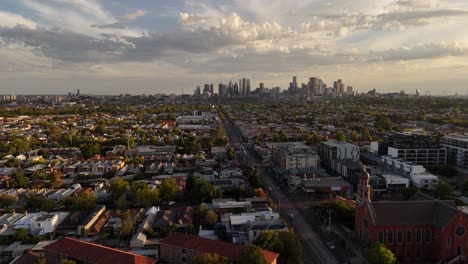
(421,229)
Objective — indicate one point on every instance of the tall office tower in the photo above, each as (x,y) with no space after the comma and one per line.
(338,87)
(293,86)
(197,91)
(275,92)
(206,89)
(211,89)
(247,89)
(349,90)
(314,85)
(221,90)
(78,92)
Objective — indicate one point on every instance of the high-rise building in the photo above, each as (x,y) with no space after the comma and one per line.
(197,91)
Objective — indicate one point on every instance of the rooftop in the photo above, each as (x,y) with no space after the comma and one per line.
(204,245)
(93,253)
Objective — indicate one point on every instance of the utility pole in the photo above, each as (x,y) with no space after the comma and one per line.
(329,220)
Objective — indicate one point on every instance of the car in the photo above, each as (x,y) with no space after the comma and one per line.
(330,245)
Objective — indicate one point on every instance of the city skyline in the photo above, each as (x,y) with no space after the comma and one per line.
(119,47)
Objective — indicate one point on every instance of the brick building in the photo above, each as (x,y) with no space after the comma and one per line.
(89,253)
(419,230)
(181,248)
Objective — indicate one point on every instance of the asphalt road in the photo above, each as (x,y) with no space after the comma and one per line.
(314,250)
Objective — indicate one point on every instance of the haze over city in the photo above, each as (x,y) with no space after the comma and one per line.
(114,47)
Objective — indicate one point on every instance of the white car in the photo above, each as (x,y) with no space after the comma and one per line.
(331,246)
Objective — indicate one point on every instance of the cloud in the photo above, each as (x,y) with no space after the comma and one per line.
(64,45)
(10,20)
(134,15)
(112,25)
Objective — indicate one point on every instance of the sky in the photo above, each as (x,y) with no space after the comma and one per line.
(160,46)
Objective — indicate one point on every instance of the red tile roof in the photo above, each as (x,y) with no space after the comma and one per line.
(93,253)
(204,245)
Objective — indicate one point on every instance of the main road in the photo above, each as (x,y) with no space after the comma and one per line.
(314,250)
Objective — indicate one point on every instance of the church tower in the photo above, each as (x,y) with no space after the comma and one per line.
(363,188)
(362,202)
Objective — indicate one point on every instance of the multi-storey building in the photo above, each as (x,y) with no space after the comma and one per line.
(418,148)
(294,156)
(457,149)
(333,150)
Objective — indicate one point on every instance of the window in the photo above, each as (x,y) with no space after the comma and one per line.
(381,236)
(400,236)
(459,251)
(390,237)
(183,250)
(460,231)
(418,236)
(184,259)
(409,236)
(428,236)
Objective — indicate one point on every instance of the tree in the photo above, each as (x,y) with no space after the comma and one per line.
(147,197)
(365,134)
(383,122)
(208,258)
(90,149)
(380,254)
(18,180)
(284,243)
(204,191)
(211,218)
(444,190)
(21,234)
(118,187)
(190,182)
(85,201)
(122,202)
(47,205)
(340,136)
(8,200)
(252,255)
(169,190)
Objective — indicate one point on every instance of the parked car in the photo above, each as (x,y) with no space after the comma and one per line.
(330,245)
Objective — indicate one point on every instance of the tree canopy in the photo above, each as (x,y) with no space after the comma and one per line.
(380,254)
(208,258)
(252,255)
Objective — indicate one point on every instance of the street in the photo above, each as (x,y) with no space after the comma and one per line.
(314,249)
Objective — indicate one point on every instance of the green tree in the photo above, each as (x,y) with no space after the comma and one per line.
(18,180)
(8,200)
(47,205)
(85,201)
(204,191)
(21,234)
(380,254)
(284,243)
(211,218)
(208,258)
(252,255)
(18,146)
(365,134)
(122,202)
(444,190)
(147,197)
(118,187)
(190,182)
(169,190)
(383,122)
(340,135)
(90,149)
